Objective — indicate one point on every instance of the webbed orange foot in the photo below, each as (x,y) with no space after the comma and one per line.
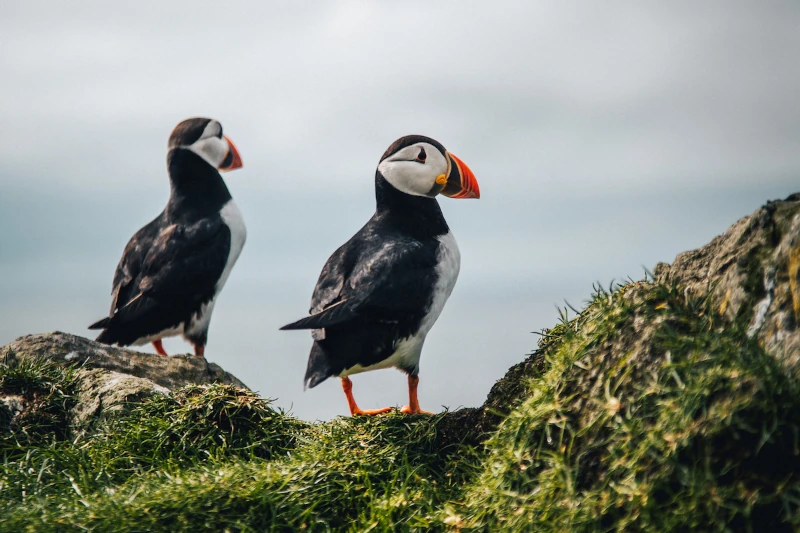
(347,387)
(409,410)
(369,412)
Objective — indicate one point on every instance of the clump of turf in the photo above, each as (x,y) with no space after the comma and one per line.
(35,400)
(215,457)
(355,474)
(653,414)
(197,424)
(201,421)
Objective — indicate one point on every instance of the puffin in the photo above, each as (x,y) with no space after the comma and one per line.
(381,292)
(174,268)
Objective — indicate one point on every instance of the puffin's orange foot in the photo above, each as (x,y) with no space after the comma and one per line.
(369,412)
(200,350)
(347,386)
(159,347)
(409,410)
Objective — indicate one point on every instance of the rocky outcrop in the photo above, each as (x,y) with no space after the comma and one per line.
(108,380)
(752,273)
(171,372)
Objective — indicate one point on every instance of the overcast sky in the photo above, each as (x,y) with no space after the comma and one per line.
(605,137)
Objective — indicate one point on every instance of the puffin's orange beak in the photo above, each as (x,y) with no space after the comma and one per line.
(461,182)
(233,160)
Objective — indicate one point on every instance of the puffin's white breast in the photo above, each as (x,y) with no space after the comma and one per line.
(232,218)
(447,268)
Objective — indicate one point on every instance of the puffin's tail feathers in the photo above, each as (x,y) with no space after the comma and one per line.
(107,337)
(100,324)
(337,313)
(319,368)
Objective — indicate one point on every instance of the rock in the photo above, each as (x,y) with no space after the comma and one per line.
(171,372)
(752,273)
(11,405)
(100,394)
(108,382)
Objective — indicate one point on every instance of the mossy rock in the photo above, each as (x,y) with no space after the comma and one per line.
(752,275)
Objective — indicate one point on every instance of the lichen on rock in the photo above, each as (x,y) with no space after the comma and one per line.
(752,273)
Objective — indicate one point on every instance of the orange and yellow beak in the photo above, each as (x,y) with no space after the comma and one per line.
(461,182)
(233,160)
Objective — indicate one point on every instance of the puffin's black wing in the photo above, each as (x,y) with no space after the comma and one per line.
(177,275)
(326,302)
(130,266)
(385,282)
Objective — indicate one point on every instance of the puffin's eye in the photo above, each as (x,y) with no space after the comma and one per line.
(422,156)
(220,132)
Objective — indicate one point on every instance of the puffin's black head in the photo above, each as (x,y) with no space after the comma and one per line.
(203,136)
(420,166)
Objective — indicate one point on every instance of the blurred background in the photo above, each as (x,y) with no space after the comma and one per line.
(605,138)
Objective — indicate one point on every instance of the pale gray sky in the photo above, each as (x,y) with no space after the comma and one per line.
(605,137)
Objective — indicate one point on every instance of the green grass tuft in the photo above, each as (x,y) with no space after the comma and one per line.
(44,392)
(388,473)
(203,422)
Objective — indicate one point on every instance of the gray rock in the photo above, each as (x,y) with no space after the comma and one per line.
(171,372)
(752,273)
(102,393)
(11,405)
(109,381)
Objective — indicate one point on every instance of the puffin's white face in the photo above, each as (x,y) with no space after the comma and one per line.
(419,170)
(211,145)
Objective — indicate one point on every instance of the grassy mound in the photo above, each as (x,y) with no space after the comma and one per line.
(653,414)
(646,412)
(215,458)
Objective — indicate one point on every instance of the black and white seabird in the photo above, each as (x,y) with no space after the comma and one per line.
(173,269)
(380,293)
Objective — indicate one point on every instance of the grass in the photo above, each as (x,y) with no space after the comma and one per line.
(654,414)
(216,458)
(646,412)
